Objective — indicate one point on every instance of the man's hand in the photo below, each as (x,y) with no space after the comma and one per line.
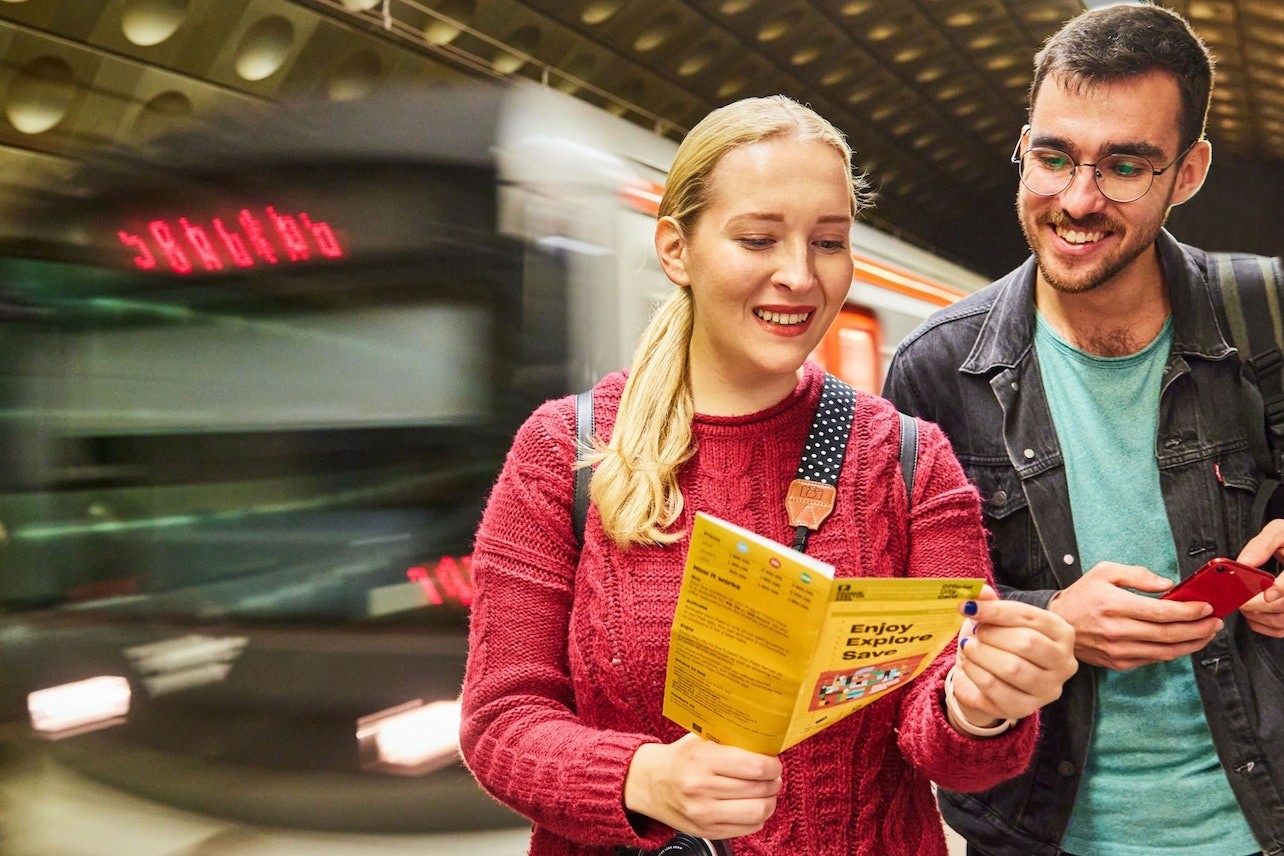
(1121,629)
(1265,613)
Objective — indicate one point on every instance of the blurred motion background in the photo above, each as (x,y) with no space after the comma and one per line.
(280,278)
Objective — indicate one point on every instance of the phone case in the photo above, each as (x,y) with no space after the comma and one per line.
(1224,583)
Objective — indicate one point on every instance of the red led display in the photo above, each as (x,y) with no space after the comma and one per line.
(451,580)
(255,238)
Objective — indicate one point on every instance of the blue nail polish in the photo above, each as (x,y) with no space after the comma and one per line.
(969,608)
(963,642)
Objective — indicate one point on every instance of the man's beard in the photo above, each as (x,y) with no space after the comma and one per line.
(1087,278)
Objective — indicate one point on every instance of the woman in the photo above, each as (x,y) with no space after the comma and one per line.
(565,678)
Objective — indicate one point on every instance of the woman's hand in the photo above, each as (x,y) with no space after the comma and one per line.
(1013,658)
(703,788)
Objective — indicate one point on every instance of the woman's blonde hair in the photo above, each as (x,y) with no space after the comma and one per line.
(635,485)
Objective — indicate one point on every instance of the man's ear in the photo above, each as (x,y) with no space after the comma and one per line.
(671,248)
(1193,171)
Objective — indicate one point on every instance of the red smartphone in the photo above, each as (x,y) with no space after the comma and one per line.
(1224,583)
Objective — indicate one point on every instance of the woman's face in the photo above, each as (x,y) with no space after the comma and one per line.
(769,266)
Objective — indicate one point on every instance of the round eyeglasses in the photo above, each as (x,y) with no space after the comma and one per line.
(1120,178)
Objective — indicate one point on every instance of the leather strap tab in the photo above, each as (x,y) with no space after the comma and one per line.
(809,503)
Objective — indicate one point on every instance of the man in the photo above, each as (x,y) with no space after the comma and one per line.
(1093,400)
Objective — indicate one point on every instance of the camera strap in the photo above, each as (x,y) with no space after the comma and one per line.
(813,492)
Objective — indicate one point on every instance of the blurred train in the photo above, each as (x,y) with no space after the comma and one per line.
(256,382)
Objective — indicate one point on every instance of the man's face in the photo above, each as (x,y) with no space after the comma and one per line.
(1080,238)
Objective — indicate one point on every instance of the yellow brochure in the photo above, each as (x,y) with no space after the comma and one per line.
(767,648)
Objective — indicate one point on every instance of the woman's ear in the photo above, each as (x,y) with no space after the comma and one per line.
(671,248)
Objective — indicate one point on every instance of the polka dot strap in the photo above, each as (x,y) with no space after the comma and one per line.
(812,493)
(830,427)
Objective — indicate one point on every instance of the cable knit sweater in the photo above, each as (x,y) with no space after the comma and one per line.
(567,652)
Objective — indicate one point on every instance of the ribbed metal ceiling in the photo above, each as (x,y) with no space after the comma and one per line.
(931,92)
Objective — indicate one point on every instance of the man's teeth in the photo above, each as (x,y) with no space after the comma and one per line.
(781,317)
(1072,236)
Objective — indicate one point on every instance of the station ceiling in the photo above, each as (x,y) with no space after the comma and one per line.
(931,93)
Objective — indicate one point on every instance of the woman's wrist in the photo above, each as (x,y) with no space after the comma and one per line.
(959,720)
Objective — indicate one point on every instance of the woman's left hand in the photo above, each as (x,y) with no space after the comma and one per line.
(1013,658)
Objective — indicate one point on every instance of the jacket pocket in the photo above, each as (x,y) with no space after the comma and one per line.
(1239,480)
(1014,542)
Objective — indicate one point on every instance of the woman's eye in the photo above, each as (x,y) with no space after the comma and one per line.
(832,245)
(756,243)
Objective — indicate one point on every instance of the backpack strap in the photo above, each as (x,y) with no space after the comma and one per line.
(583,442)
(1246,291)
(909,454)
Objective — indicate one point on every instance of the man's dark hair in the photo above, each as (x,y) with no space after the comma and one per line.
(1115,43)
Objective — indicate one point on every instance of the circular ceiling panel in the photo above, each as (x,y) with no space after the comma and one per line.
(40,95)
(150,22)
(355,76)
(264,48)
(163,113)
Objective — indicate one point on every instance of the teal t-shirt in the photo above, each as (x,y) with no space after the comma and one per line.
(1152,784)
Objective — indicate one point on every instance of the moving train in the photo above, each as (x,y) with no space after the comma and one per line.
(257,380)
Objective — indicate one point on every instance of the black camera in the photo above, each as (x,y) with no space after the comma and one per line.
(688,845)
(682,845)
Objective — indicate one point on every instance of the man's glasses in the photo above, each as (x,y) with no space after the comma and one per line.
(1120,178)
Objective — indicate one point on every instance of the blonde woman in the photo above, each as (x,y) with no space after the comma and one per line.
(565,678)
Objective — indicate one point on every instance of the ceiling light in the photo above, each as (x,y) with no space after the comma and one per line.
(836,76)
(150,22)
(161,113)
(355,77)
(264,48)
(806,55)
(600,11)
(40,94)
(523,44)
(655,35)
(731,87)
(695,62)
(448,22)
(775,29)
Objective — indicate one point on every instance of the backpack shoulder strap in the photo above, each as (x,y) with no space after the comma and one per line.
(1246,291)
(909,454)
(583,442)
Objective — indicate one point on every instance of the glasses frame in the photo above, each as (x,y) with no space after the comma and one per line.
(1018,155)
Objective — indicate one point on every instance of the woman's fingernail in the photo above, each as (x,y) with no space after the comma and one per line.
(962,642)
(969,608)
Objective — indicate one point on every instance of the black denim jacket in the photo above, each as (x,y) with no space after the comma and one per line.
(972,369)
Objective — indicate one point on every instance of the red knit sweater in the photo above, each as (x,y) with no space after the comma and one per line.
(567,654)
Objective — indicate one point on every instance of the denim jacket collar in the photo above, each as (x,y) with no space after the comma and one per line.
(1007,334)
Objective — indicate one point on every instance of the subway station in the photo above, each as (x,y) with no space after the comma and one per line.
(280,279)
